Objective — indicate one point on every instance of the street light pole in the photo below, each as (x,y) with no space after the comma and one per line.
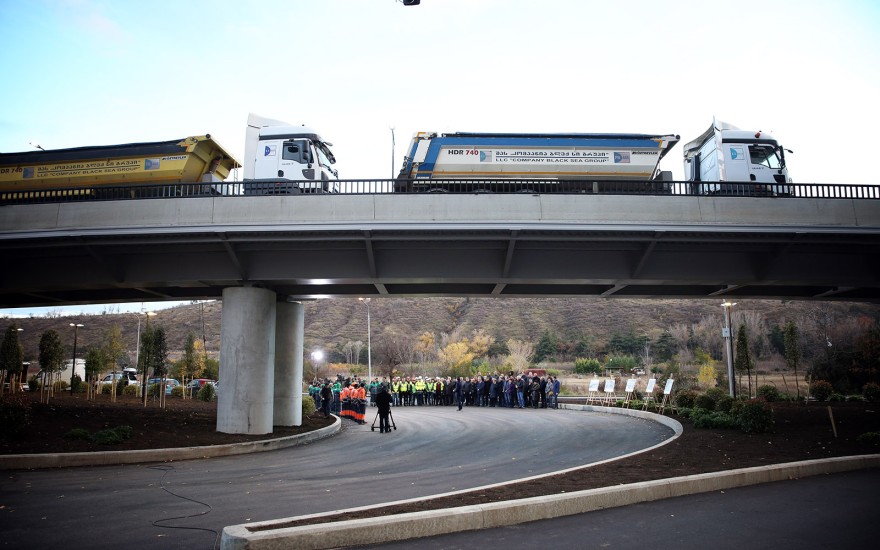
(369,343)
(726,333)
(73,363)
(317,356)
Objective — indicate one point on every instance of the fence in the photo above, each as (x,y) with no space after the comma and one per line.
(787,191)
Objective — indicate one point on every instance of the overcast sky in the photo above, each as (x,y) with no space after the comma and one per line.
(96,72)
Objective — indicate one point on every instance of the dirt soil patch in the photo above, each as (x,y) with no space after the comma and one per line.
(801,432)
(182,423)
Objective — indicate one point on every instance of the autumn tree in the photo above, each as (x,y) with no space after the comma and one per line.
(51,356)
(455,359)
(188,361)
(94,365)
(426,348)
(479,342)
(11,357)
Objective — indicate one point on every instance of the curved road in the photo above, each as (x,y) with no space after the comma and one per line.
(433,450)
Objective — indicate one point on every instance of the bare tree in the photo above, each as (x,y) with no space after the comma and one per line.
(519,354)
(707,334)
(392,349)
(356,348)
(681,333)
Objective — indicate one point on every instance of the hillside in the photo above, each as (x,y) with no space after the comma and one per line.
(332,323)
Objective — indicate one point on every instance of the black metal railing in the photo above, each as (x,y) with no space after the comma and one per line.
(458,186)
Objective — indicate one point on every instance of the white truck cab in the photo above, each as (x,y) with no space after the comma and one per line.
(284,159)
(750,163)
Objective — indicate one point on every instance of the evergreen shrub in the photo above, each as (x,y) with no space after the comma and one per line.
(769,393)
(821,390)
(685,399)
(207,393)
(15,415)
(308,407)
(871,391)
(705,402)
(753,416)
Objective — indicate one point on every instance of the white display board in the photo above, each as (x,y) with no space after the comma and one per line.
(609,386)
(668,389)
(651,383)
(630,385)
(594,385)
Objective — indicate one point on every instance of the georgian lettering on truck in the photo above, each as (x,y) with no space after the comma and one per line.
(282,159)
(506,161)
(725,160)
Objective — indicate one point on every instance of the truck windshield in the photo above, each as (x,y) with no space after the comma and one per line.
(765,155)
(322,158)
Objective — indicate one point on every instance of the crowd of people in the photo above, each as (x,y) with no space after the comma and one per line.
(348,397)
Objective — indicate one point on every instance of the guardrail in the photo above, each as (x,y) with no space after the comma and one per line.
(459,186)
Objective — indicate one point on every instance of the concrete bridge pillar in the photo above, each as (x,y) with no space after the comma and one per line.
(247,361)
(289,330)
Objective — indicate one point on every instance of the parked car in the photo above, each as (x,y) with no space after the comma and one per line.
(170,384)
(194,385)
(129,375)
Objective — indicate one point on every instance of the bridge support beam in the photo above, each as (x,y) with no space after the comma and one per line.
(247,361)
(289,330)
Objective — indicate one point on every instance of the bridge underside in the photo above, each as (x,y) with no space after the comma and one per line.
(301,263)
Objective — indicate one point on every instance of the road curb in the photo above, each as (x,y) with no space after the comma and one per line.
(451,520)
(110,458)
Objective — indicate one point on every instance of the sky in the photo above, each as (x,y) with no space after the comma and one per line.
(101,72)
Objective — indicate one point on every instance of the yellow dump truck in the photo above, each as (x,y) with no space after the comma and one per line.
(84,170)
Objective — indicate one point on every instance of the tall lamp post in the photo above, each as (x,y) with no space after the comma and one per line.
(73,363)
(369,343)
(726,333)
(317,356)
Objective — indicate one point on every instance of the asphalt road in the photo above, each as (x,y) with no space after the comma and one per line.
(434,450)
(816,513)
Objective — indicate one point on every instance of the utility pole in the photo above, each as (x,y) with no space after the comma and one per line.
(726,333)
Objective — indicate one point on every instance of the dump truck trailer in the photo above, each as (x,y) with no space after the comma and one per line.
(83,170)
(530,157)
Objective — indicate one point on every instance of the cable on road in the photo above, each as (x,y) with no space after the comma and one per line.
(156,523)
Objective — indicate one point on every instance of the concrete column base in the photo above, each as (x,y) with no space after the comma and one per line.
(289,330)
(247,361)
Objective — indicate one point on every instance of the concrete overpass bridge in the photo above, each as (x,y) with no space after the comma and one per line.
(264,255)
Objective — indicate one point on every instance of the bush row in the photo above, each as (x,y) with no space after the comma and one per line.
(111,436)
